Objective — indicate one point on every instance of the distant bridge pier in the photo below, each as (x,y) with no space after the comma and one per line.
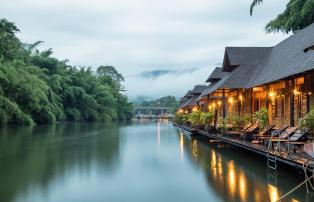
(152,112)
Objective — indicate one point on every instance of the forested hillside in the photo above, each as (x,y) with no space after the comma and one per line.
(38,88)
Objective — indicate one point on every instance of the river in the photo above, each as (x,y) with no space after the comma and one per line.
(141,161)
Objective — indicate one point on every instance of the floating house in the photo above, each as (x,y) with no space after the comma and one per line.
(188,102)
(279,78)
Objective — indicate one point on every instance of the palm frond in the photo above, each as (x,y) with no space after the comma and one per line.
(254,3)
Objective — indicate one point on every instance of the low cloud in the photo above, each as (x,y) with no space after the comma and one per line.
(142,37)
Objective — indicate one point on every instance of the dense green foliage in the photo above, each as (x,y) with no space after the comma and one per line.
(168,102)
(308,121)
(297,15)
(36,87)
(262,117)
(196,118)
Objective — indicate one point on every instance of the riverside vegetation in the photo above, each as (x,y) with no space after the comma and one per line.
(38,88)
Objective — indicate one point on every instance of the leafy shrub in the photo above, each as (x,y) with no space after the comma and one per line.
(195,118)
(308,121)
(10,113)
(262,117)
(206,118)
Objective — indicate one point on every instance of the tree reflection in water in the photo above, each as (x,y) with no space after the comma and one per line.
(35,156)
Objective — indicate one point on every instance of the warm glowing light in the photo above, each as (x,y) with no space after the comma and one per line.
(310,93)
(219,103)
(231,100)
(213,160)
(194,109)
(272,94)
(295,91)
(257,195)
(181,111)
(181,145)
(213,164)
(186,112)
(242,186)
(241,97)
(273,193)
(210,108)
(214,105)
(231,178)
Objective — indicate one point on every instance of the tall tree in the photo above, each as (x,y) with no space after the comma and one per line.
(297,15)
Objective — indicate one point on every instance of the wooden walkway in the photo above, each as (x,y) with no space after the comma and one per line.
(296,160)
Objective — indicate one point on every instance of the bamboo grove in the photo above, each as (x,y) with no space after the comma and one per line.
(38,88)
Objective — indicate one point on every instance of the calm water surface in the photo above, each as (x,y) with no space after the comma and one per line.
(135,162)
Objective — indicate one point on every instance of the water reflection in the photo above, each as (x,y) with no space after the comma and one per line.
(273,192)
(238,176)
(34,156)
(181,145)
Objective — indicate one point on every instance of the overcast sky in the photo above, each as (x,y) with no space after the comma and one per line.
(162,47)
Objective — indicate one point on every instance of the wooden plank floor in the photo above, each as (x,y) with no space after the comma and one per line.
(293,159)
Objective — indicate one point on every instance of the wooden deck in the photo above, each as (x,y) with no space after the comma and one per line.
(296,160)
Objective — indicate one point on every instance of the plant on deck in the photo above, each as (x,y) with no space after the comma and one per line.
(262,117)
(308,121)
(206,118)
(195,118)
(181,118)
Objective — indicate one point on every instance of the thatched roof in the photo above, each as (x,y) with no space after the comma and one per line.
(216,75)
(253,66)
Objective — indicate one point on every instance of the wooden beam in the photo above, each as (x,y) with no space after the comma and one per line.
(223,104)
(292,102)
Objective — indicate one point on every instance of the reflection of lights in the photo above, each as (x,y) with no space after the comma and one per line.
(181,145)
(213,163)
(242,186)
(231,178)
(257,195)
(194,149)
(273,193)
(158,134)
(220,171)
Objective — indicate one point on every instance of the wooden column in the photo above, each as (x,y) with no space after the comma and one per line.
(215,117)
(239,103)
(223,104)
(292,87)
(267,99)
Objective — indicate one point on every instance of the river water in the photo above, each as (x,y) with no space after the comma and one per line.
(142,161)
